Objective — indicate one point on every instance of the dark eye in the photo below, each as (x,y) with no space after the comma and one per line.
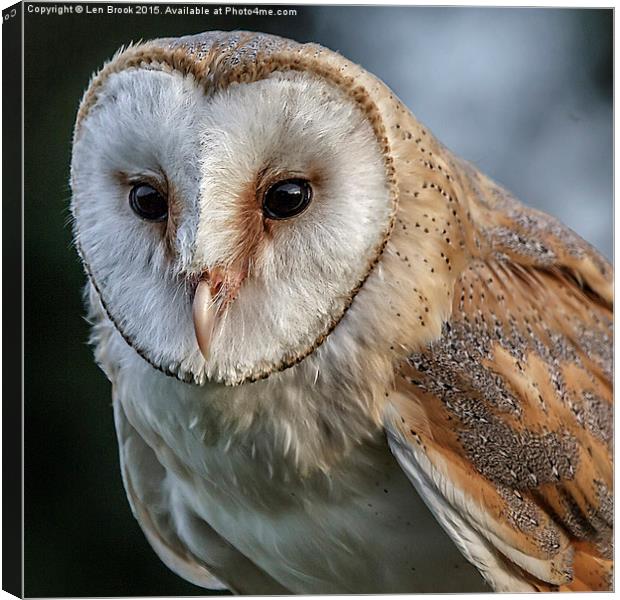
(286,199)
(148,203)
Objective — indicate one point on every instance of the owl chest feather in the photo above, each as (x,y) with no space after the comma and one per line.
(349,522)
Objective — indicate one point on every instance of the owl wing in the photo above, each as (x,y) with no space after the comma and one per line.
(212,562)
(504,424)
(144,480)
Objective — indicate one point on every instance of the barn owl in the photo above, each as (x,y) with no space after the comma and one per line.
(342,359)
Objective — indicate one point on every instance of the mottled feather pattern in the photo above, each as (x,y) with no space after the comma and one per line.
(512,400)
(515,400)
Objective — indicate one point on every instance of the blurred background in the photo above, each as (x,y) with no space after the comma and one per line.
(525,94)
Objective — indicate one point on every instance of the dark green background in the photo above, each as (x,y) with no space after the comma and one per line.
(80,536)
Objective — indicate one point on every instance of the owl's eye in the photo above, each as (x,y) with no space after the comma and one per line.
(286,199)
(148,203)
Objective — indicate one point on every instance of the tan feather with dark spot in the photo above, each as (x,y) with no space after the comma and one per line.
(512,404)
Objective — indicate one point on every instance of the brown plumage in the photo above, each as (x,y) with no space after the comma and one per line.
(512,402)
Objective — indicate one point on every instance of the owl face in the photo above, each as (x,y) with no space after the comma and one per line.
(226,231)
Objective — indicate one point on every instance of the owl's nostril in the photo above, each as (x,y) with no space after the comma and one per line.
(216,289)
(217,279)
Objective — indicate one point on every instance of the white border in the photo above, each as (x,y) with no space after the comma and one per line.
(455,3)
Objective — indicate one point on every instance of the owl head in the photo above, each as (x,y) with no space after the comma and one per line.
(232,195)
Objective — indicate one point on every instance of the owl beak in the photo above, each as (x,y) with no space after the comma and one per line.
(216,289)
(204,314)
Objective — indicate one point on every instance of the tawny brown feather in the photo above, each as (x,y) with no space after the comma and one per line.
(513,402)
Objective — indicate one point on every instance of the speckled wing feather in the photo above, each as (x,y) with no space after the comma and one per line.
(504,421)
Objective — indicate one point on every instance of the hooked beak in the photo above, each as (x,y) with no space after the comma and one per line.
(215,291)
